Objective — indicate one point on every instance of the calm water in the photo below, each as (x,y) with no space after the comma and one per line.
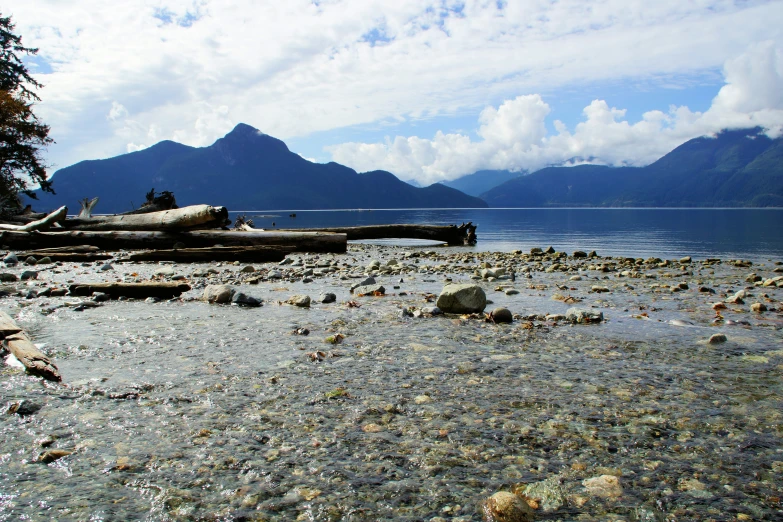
(668,233)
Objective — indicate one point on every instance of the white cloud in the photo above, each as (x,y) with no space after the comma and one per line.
(117,111)
(514,136)
(191,69)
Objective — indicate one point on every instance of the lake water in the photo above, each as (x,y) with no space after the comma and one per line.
(666,233)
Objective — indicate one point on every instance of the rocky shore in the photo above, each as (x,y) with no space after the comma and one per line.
(399,383)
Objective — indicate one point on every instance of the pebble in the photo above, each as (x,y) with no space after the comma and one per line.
(501,315)
(758,307)
(718,338)
(504,506)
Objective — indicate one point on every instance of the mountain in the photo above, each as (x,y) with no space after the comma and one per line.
(481,181)
(244,170)
(733,169)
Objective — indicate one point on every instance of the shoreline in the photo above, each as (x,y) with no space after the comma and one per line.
(182,409)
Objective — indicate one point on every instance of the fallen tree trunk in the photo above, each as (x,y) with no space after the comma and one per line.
(188,218)
(163,290)
(145,240)
(248,254)
(464,234)
(74,253)
(17,342)
(40,224)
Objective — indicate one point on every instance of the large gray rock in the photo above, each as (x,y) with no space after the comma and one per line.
(218,294)
(462,299)
(369,290)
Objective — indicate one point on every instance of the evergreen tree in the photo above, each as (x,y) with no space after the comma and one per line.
(22,135)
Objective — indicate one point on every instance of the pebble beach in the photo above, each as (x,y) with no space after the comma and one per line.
(334,387)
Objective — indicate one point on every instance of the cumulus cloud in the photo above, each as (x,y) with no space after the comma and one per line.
(513,136)
(191,69)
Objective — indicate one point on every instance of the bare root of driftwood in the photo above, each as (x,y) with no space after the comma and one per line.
(465,234)
(155,202)
(41,224)
(242,223)
(15,340)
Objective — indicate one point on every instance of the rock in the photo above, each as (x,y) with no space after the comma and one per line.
(46,260)
(584,316)
(29,274)
(100,297)
(462,299)
(327,297)
(735,299)
(579,253)
(274,274)
(685,260)
(166,271)
(241,299)
(506,507)
(24,407)
(431,310)
(604,486)
(11,259)
(366,282)
(549,493)
(31,261)
(758,307)
(599,289)
(370,290)
(106,267)
(247,269)
(52,455)
(8,278)
(302,301)
(575,278)
(219,294)
(178,245)
(718,338)
(405,312)
(549,250)
(501,315)
(511,291)
(536,250)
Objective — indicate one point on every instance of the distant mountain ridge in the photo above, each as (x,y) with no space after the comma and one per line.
(244,170)
(735,168)
(481,181)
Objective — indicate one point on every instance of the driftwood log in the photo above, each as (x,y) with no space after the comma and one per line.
(74,253)
(163,290)
(145,240)
(248,254)
(17,342)
(193,217)
(40,224)
(465,234)
(155,202)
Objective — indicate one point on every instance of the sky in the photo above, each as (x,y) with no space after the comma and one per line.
(429,90)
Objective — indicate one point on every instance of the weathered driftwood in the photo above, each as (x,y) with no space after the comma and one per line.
(70,253)
(188,218)
(87,206)
(145,240)
(17,342)
(40,224)
(248,254)
(163,290)
(464,234)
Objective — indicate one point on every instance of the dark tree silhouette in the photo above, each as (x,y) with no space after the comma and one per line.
(22,135)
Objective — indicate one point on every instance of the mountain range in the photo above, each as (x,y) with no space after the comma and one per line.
(244,170)
(249,170)
(732,169)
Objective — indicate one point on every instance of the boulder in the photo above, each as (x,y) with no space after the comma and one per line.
(302,301)
(462,299)
(369,290)
(241,299)
(327,297)
(218,294)
(501,315)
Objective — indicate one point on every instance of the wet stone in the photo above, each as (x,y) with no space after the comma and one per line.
(28,274)
(301,301)
(462,299)
(241,299)
(327,297)
(718,338)
(584,316)
(501,315)
(504,506)
(217,294)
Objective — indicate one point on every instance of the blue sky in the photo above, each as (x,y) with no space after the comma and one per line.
(427,89)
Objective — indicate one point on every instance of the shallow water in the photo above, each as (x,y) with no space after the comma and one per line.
(187,411)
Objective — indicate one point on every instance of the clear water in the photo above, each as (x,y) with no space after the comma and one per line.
(187,411)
